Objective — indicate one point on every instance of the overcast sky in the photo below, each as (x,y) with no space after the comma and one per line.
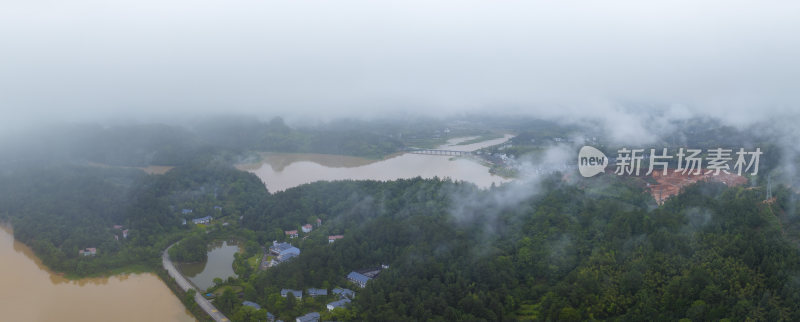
(83,59)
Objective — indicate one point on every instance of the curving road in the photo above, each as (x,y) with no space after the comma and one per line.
(185,285)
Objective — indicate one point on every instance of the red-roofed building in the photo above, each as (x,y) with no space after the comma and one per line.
(291,233)
(307,228)
(333,238)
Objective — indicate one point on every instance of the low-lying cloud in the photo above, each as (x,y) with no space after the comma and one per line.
(89,59)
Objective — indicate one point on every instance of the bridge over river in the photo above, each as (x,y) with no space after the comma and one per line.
(439,152)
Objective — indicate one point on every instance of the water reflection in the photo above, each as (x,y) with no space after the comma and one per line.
(219,264)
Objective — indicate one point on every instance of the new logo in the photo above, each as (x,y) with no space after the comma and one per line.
(591,161)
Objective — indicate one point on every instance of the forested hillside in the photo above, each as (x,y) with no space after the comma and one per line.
(574,252)
(61,210)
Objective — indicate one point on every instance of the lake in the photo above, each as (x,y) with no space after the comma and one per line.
(30,292)
(219,264)
(281,171)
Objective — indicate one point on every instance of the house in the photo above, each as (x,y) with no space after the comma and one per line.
(373,271)
(307,228)
(117,226)
(344,293)
(217,208)
(283,251)
(310,317)
(333,238)
(203,220)
(270,317)
(116,237)
(252,304)
(186,211)
(319,222)
(125,233)
(358,278)
(184,222)
(90,251)
(291,233)
(314,292)
(279,249)
(336,304)
(297,294)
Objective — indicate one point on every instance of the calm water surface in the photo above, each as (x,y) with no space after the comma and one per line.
(30,292)
(219,264)
(281,171)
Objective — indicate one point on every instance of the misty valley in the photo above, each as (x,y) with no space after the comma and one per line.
(414,160)
(543,243)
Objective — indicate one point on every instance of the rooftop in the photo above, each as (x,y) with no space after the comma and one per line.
(339,303)
(296,293)
(317,291)
(252,304)
(358,277)
(313,316)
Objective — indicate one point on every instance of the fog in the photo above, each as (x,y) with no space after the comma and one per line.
(97,60)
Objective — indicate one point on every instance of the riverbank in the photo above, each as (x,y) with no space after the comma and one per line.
(185,286)
(32,292)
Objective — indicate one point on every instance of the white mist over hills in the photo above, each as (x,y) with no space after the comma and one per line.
(97,60)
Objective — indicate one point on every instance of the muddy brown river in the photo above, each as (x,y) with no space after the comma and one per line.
(30,292)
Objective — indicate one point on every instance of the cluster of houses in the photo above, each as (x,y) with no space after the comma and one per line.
(345,296)
(307,228)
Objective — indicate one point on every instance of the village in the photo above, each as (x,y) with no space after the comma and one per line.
(280,252)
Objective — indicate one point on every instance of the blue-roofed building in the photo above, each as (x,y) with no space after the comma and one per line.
(310,317)
(186,211)
(283,251)
(337,304)
(204,220)
(252,304)
(358,278)
(314,292)
(297,294)
(270,317)
(344,293)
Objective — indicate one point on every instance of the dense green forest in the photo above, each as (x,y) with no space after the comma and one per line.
(596,250)
(593,249)
(560,249)
(61,210)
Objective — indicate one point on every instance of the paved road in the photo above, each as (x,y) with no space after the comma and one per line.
(185,285)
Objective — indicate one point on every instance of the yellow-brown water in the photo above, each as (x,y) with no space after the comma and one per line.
(30,292)
(281,171)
